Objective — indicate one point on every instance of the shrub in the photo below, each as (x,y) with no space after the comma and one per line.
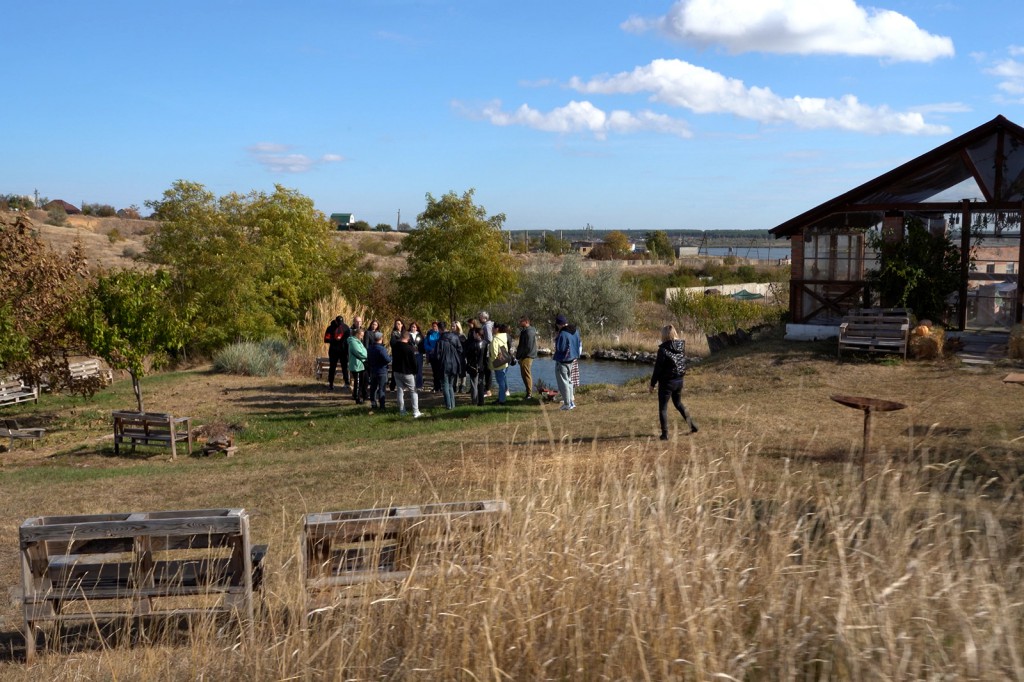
(57,216)
(114,235)
(249,358)
(713,314)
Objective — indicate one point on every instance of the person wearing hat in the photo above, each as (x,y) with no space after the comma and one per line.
(567,350)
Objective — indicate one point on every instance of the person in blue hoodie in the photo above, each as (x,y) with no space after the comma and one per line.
(377,361)
(567,349)
(669,369)
(430,340)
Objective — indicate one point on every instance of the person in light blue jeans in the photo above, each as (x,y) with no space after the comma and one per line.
(567,350)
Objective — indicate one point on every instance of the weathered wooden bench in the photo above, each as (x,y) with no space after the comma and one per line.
(86,369)
(878,330)
(75,566)
(152,428)
(12,431)
(321,367)
(13,390)
(346,548)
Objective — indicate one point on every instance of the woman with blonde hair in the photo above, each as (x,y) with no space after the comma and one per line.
(669,369)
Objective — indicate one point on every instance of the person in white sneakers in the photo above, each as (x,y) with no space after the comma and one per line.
(403,364)
(567,350)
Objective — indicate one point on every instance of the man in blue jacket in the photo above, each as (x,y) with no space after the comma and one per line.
(567,349)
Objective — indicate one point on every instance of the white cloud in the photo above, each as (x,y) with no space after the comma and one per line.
(1011,74)
(277,158)
(681,84)
(576,117)
(797,27)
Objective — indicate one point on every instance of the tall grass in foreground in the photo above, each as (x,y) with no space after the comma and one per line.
(308,335)
(659,563)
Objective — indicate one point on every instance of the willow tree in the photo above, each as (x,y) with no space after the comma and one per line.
(457,258)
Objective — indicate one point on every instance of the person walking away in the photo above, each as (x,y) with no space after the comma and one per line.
(430,351)
(396,338)
(669,369)
(449,360)
(378,360)
(416,339)
(500,358)
(526,353)
(475,352)
(403,368)
(567,349)
(357,364)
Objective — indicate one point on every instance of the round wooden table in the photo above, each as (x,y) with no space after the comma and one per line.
(868,406)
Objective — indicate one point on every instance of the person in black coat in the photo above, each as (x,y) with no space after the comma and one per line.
(669,369)
(336,337)
(475,353)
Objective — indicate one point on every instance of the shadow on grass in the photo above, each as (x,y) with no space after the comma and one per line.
(168,630)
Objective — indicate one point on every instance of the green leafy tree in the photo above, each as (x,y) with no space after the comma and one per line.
(126,319)
(360,226)
(382,227)
(618,243)
(249,265)
(659,246)
(458,257)
(919,272)
(39,288)
(554,245)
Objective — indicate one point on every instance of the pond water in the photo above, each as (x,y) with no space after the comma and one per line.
(591,372)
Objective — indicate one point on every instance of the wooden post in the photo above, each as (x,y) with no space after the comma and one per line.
(1019,313)
(965,261)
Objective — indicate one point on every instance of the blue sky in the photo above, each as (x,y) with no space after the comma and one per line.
(705,114)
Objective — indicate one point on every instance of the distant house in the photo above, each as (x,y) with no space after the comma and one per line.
(585,247)
(342,221)
(70,209)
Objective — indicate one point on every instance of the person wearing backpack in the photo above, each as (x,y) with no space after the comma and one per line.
(500,358)
(336,336)
(669,369)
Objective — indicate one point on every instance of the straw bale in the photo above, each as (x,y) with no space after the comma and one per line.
(1016,345)
(927,346)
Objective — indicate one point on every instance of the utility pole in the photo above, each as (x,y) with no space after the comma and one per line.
(37,198)
(399,222)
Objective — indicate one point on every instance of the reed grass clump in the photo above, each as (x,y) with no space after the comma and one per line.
(251,358)
(308,335)
(677,562)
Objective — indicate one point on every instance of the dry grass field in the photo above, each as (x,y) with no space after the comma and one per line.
(751,550)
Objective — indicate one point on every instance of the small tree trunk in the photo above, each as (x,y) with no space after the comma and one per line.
(138,391)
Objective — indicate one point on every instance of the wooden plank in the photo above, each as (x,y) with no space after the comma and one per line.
(125,528)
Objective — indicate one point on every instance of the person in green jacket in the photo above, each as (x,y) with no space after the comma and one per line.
(357,365)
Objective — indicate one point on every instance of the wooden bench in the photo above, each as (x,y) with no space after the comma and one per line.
(346,548)
(13,390)
(14,432)
(86,369)
(74,566)
(880,330)
(321,367)
(151,428)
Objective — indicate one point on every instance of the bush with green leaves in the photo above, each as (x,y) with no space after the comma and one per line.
(56,215)
(255,359)
(919,272)
(592,298)
(713,314)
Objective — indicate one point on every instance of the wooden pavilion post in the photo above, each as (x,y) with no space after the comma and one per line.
(1019,313)
(965,261)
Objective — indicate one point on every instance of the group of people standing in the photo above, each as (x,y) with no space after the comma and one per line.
(461,359)
(471,360)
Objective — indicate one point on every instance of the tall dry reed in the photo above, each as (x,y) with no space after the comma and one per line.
(645,562)
(308,335)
